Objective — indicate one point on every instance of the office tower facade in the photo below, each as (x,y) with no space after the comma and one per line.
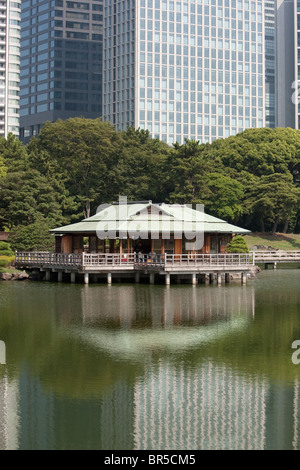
(296,63)
(184,69)
(9,66)
(286,62)
(61,64)
(270,62)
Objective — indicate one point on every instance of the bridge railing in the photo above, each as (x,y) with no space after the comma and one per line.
(277,255)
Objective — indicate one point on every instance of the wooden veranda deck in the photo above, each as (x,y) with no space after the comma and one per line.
(114,263)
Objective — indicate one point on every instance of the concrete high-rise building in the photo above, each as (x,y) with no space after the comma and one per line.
(184,69)
(61,62)
(270,62)
(294,10)
(9,66)
(286,62)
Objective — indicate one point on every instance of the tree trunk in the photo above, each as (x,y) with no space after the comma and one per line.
(87,211)
(275,226)
(262,224)
(286,226)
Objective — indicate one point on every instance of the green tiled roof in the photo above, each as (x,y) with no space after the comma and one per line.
(148,217)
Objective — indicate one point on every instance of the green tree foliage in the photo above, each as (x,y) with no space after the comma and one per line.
(13,154)
(223,196)
(80,150)
(137,168)
(27,195)
(237,245)
(184,171)
(251,179)
(33,237)
(5,249)
(273,199)
(3,168)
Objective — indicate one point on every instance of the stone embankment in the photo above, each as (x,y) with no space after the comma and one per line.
(15,276)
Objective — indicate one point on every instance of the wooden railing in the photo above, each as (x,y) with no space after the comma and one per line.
(48,259)
(107,259)
(230,260)
(90,260)
(276,256)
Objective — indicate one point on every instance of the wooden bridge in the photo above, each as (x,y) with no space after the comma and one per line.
(274,257)
(86,264)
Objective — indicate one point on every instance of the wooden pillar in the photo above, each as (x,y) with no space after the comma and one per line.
(48,275)
(137,278)
(59,276)
(227,278)
(109,279)
(219,279)
(244,279)
(86,278)
(152,278)
(211,278)
(168,279)
(207,279)
(73,278)
(194,279)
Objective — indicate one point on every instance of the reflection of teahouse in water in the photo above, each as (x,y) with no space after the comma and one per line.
(178,321)
(130,306)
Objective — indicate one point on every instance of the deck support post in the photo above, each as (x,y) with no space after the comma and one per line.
(168,279)
(152,278)
(244,279)
(137,278)
(48,275)
(219,279)
(227,278)
(109,279)
(59,276)
(207,279)
(211,278)
(194,279)
(73,278)
(86,278)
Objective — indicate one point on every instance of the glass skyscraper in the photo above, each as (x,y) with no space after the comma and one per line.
(286,62)
(270,56)
(61,62)
(296,100)
(9,66)
(184,69)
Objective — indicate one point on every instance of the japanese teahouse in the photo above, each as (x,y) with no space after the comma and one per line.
(146,239)
(146,227)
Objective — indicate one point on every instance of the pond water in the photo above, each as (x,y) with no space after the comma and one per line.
(133,367)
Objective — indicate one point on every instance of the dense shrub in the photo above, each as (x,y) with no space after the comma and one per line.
(237,245)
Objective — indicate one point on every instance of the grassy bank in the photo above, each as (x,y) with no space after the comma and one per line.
(5,262)
(279,241)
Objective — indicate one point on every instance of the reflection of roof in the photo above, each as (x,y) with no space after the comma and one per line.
(130,344)
(149,217)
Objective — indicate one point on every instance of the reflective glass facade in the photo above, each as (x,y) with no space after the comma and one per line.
(10,16)
(184,69)
(270,54)
(297,62)
(61,62)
